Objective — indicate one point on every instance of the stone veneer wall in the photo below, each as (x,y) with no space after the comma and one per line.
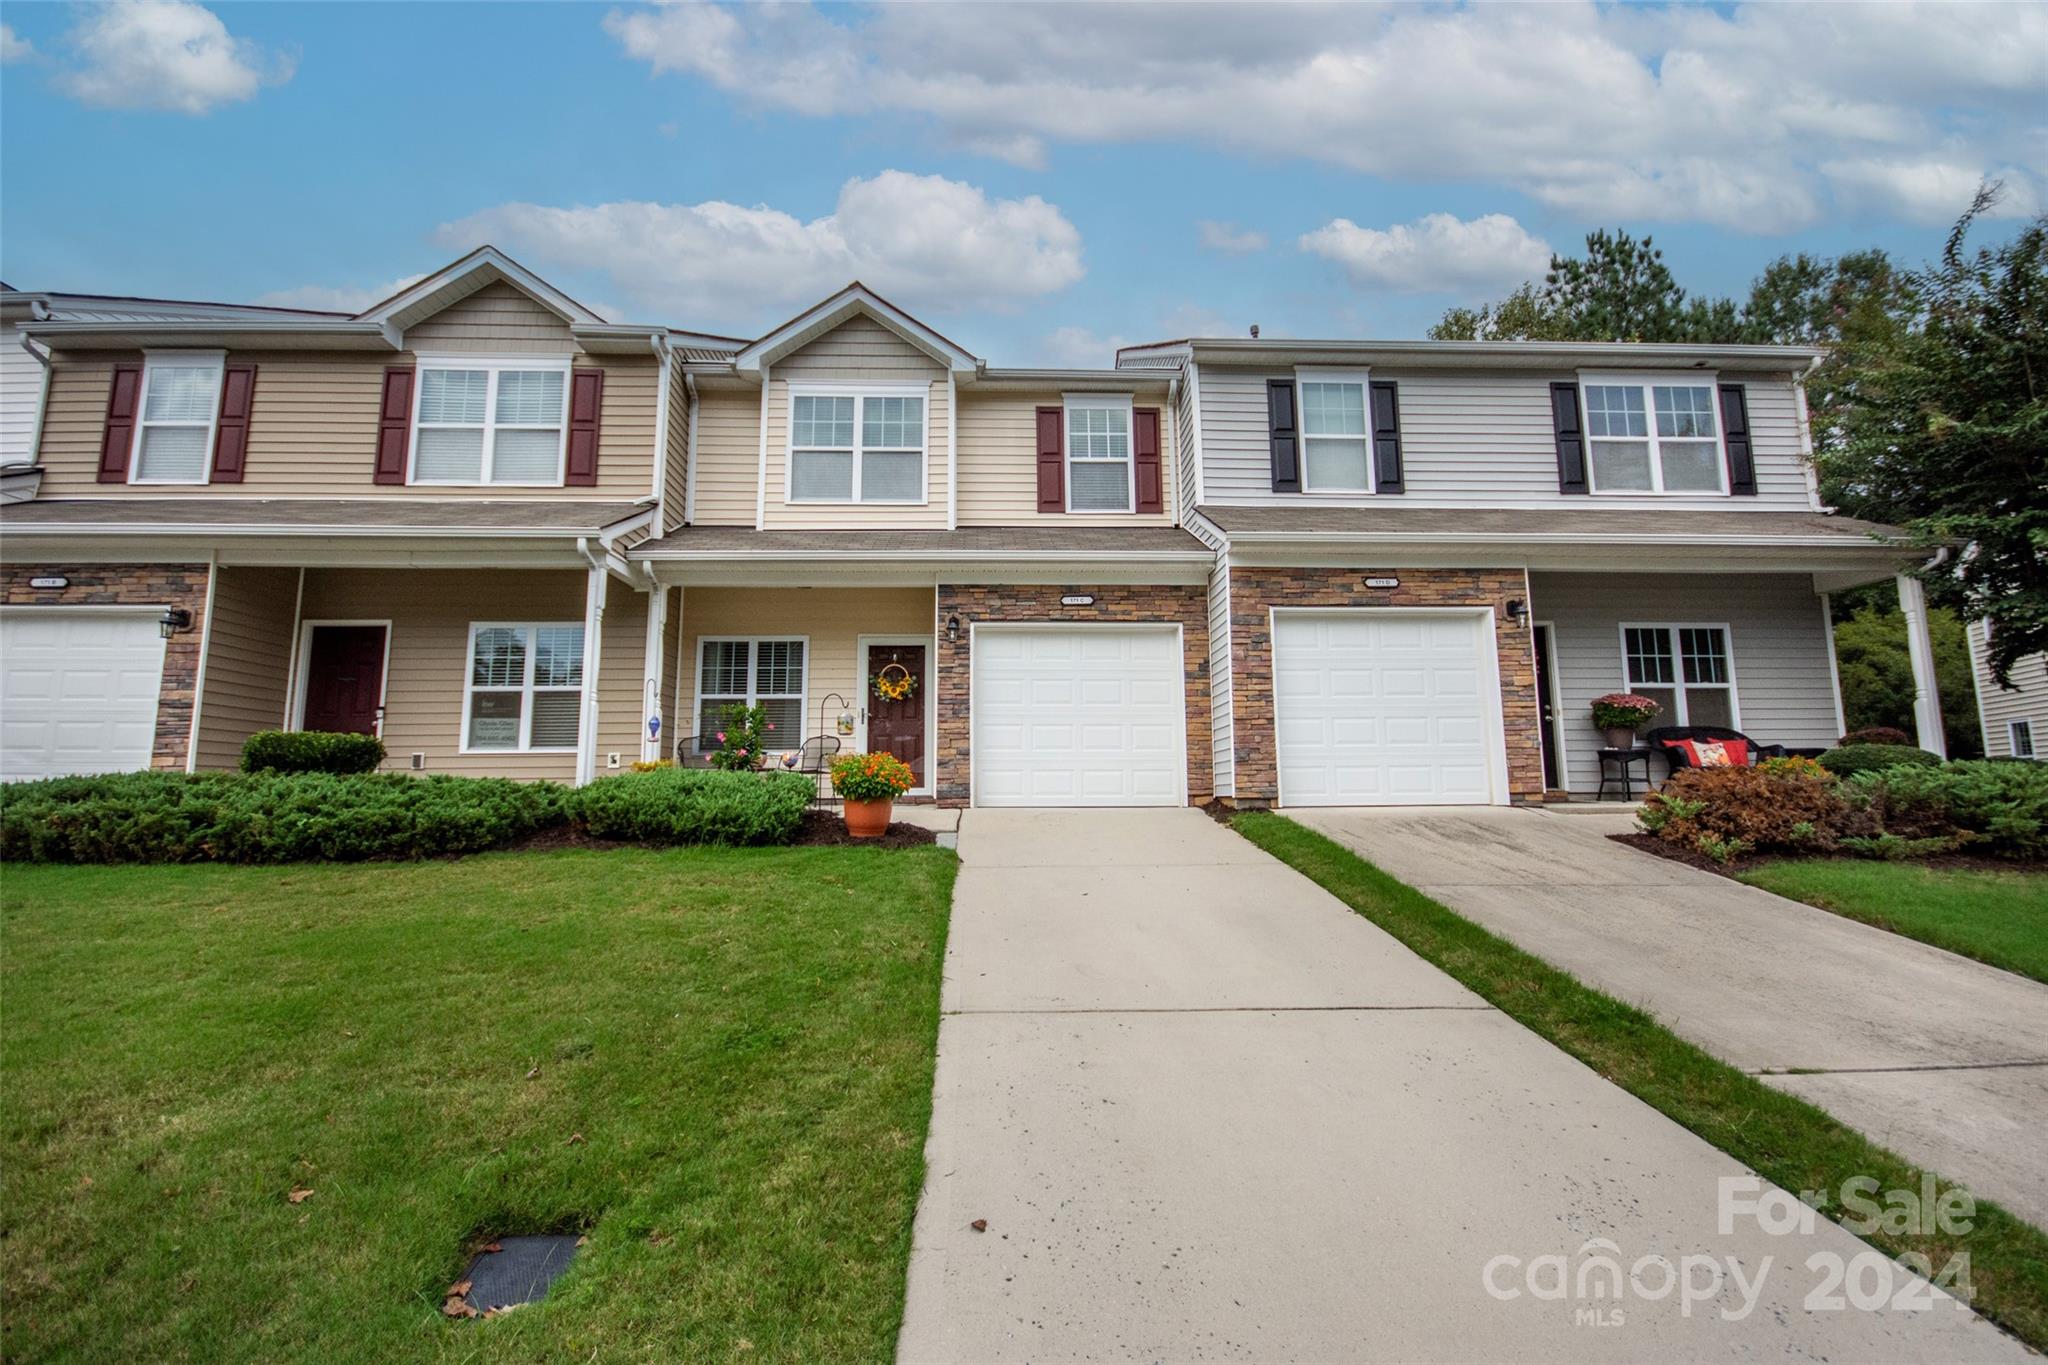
(1253,591)
(1185,604)
(168,585)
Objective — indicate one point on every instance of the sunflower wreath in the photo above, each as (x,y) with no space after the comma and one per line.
(894,683)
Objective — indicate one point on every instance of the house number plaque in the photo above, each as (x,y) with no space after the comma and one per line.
(1382,582)
(1077,600)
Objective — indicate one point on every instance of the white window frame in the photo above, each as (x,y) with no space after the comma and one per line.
(1069,403)
(753,693)
(1315,374)
(1678,684)
(859,393)
(1647,382)
(526,689)
(2013,728)
(182,359)
(494,365)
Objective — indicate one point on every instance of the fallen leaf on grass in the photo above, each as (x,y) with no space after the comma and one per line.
(456,1308)
(459,1290)
(533,1073)
(501,1311)
(583,1240)
(574,1138)
(659,1239)
(85,1182)
(493,1246)
(299,1195)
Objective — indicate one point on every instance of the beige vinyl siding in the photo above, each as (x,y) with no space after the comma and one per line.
(832,619)
(1777,641)
(999,463)
(676,451)
(430,613)
(728,452)
(1469,437)
(248,660)
(1998,707)
(313,431)
(859,348)
(498,319)
(621,677)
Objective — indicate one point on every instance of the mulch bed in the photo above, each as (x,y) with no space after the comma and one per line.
(1692,857)
(820,827)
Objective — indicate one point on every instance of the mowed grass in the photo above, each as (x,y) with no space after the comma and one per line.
(1993,916)
(1786,1140)
(734,1053)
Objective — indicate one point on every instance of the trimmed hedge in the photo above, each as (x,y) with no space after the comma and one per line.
(1877,734)
(160,817)
(311,751)
(1999,808)
(1851,759)
(695,806)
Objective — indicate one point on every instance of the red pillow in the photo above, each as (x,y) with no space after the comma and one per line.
(1712,753)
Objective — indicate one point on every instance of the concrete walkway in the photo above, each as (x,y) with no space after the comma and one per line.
(1207,1112)
(1941,1059)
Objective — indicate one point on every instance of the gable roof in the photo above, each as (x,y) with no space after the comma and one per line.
(462,277)
(854,300)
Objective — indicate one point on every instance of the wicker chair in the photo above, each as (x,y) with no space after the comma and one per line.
(1660,741)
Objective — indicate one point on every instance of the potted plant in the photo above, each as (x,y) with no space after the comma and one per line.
(743,743)
(1618,716)
(869,784)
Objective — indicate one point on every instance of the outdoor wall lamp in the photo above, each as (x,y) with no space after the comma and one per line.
(952,629)
(1517,609)
(172,621)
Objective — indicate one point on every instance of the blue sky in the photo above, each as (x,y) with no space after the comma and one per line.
(1040,183)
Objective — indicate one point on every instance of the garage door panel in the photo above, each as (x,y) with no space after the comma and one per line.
(1102,710)
(78,691)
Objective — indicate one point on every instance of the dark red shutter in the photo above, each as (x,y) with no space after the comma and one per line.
(394,424)
(1052,460)
(1151,482)
(586,406)
(231,439)
(1735,431)
(1386,437)
(117,438)
(1571,438)
(1281,426)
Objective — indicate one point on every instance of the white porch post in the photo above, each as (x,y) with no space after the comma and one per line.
(1920,650)
(593,630)
(657,625)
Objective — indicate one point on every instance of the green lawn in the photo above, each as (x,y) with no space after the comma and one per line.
(1786,1140)
(734,1053)
(1996,917)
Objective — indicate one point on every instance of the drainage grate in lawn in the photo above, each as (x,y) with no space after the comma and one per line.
(514,1270)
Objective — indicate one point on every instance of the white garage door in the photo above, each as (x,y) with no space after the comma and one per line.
(1085,717)
(1385,709)
(77,691)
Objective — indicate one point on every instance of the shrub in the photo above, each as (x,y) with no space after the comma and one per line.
(1718,808)
(743,736)
(1894,848)
(158,817)
(1851,759)
(871,777)
(1794,766)
(1877,734)
(2002,807)
(695,806)
(1722,850)
(311,751)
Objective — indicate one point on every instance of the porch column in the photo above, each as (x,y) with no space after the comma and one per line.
(657,625)
(1920,650)
(593,631)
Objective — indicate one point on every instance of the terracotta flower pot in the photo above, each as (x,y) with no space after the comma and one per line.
(868,819)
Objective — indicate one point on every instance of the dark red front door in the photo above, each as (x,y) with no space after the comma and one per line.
(345,678)
(897,727)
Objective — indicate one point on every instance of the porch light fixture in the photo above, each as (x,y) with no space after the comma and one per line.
(1517,609)
(172,621)
(952,629)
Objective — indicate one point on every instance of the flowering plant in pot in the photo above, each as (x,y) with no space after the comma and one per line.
(869,785)
(1618,715)
(743,739)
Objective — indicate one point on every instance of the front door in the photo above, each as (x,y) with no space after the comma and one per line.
(897,726)
(344,679)
(1546,706)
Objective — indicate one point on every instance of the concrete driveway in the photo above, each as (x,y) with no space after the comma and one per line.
(1205,1111)
(1942,1059)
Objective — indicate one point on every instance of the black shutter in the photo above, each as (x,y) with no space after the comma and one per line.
(1386,437)
(1571,438)
(1735,432)
(1282,427)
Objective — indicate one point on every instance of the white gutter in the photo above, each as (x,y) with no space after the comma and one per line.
(187,528)
(761,478)
(954,556)
(1345,538)
(952,453)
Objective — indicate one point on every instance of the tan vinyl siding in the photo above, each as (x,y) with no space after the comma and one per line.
(1184,452)
(859,348)
(499,319)
(676,452)
(313,431)
(728,453)
(999,463)
(1469,437)
(1777,641)
(1997,707)
(621,677)
(248,660)
(430,613)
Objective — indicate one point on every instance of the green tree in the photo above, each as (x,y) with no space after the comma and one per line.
(1620,290)
(1524,315)
(1877,673)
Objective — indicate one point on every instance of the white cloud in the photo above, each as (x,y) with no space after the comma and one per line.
(165,54)
(1928,192)
(925,242)
(1676,113)
(336,298)
(1080,348)
(1229,238)
(14,47)
(1438,253)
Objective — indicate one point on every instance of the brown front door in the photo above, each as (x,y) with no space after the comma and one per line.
(345,679)
(897,727)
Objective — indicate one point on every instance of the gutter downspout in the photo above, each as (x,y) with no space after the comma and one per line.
(598,576)
(661,432)
(1806,435)
(761,478)
(952,453)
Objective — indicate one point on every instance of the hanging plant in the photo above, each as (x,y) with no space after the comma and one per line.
(894,683)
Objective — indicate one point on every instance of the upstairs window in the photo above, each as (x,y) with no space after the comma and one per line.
(524,693)
(1336,449)
(489,422)
(1686,670)
(174,431)
(857,446)
(1646,437)
(1098,453)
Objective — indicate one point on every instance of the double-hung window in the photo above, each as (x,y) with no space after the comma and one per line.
(1654,436)
(768,673)
(180,405)
(857,446)
(524,692)
(2021,733)
(1686,670)
(1336,447)
(1098,452)
(489,422)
